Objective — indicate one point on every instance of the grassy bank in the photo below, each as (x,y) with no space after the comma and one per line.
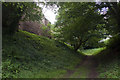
(26,55)
(108,64)
(109,70)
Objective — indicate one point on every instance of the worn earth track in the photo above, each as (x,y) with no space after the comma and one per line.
(89,63)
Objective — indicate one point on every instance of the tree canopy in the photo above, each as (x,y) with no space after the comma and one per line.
(78,22)
(13,12)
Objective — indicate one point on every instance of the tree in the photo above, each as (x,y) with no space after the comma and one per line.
(112,17)
(78,22)
(12,12)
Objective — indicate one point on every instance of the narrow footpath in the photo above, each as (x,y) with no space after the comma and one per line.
(85,69)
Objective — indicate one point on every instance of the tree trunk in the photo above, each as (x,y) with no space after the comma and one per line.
(77,46)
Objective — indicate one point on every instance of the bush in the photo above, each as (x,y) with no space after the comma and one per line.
(114,42)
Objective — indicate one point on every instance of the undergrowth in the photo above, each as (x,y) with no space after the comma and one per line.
(26,55)
(109,70)
(108,59)
(108,64)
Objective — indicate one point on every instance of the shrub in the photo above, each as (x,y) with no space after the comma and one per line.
(114,42)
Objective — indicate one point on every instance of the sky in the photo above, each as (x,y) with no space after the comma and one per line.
(49,13)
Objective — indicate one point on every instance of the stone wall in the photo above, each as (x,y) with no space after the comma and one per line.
(35,27)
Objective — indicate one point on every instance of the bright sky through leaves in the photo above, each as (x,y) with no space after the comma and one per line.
(49,13)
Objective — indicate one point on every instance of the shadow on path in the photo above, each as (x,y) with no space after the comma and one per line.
(89,64)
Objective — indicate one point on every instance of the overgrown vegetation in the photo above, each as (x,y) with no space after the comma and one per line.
(109,69)
(13,12)
(109,60)
(27,55)
(81,28)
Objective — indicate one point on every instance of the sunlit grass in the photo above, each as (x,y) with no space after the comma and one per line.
(91,52)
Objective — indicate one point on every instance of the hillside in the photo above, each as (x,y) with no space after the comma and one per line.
(83,42)
(108,63)
(26,54)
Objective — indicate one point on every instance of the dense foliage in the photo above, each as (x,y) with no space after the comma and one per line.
(27,55)
(13,12)
(112,17)
(80,24)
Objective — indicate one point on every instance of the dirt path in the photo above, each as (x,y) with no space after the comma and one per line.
(87,67)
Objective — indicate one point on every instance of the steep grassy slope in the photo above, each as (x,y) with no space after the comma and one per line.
(109,70)
(26,55)
(108,63)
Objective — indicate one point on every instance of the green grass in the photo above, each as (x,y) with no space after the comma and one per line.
(91,52)
(81,72)
(109,70)
(26,55)
(108,64)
